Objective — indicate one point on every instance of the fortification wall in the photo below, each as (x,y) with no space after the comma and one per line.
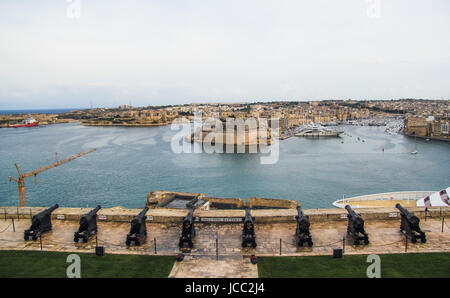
(166,215)
(158,197)
(276,203)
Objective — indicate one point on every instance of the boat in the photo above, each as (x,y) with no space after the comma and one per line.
(415,147)
(317,131)
(29,122)
(405,198)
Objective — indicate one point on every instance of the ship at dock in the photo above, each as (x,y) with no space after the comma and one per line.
(316,131)
(29,122)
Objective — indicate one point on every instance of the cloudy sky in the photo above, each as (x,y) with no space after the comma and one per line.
(74,53)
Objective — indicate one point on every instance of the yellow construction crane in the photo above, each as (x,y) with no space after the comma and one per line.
(21,180)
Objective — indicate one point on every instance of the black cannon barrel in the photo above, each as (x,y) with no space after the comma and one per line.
(402,210)
(410,217)
(248,215)
(143,212)
(190,215)
(51,209)
(351,211)
(46,211)
(300,212)
(95,210)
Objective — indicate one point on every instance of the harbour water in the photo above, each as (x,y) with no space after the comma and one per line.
(130,162)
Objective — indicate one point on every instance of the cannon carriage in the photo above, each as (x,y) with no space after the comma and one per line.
(40,224)
(302,231)
(248,232)
(188,230)
(138,230)
(410,225)
(88,225)
(355,227)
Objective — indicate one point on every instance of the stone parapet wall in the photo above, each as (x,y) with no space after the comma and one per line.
(157,197)
(238,202)
(278,203)
(166,215)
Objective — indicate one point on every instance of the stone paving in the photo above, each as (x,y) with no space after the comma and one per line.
(209,267)
(233,259)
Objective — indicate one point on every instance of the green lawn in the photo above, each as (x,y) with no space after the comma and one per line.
(393,265)
(53,264)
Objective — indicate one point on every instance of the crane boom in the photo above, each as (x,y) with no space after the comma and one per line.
(56,164)
(21,180)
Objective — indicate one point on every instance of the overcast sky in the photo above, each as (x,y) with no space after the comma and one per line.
(108,53)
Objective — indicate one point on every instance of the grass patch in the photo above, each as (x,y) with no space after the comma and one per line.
(414,265)
(53,264)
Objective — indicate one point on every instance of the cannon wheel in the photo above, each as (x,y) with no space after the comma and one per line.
(254,244)
(310,243)
(137,242)
(356,242)
(25,238)
(423,239)
(34,237)
(413,239)
(366,241)
(75,239)
(244,244)
(128,242)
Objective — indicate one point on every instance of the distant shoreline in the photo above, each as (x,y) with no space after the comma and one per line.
(123,124)
(430,138)
(36,111)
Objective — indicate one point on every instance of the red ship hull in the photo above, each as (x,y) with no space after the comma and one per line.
(23,125)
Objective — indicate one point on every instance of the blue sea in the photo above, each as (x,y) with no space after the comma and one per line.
(130,162)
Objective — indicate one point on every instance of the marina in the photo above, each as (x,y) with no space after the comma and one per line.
(316,131)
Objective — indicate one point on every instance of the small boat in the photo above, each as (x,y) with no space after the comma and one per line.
(415,147)
(29,122)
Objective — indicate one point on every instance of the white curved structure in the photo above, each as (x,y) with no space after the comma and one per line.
(389,199)
(437,199)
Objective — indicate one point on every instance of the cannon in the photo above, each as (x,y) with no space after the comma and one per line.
(88,225)
(188,230)
(40,223)
(355,227)
(410,225)
(302,232)
(138,231)
(248,233)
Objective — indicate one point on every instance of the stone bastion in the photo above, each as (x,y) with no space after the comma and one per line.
(223,210)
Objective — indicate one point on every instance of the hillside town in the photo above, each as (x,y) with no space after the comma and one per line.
(421,118)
